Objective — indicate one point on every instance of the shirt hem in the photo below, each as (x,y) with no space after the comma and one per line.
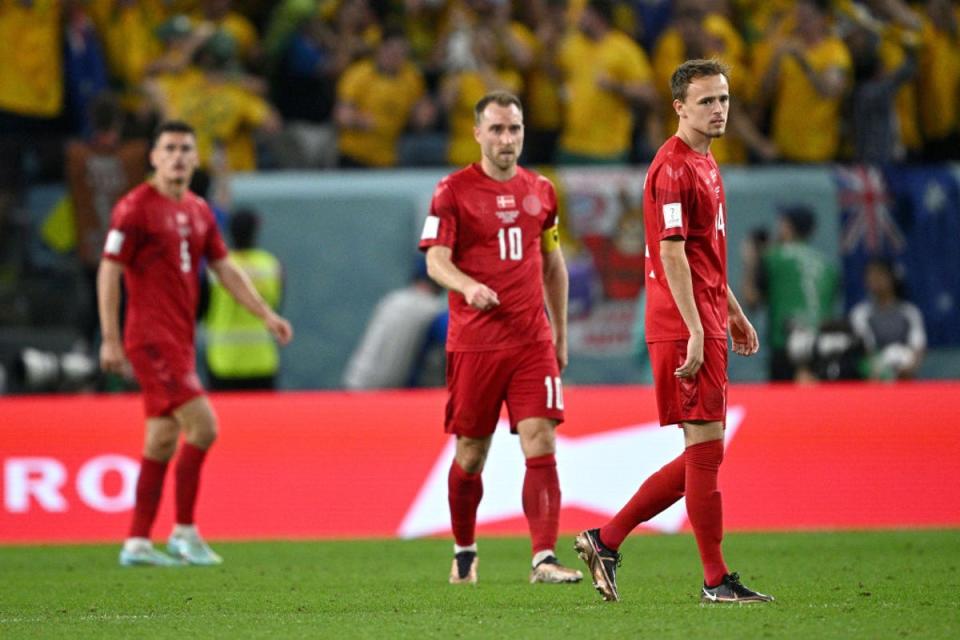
(497,347)
(711,336)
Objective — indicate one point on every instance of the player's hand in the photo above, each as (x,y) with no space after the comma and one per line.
(281,329)
(113,359)
(480,296)
(745,340)
(694,360)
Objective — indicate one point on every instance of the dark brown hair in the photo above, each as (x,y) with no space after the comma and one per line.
(172,126)
(502,98)
(693,69)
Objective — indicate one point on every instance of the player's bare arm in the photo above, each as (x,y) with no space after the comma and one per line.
(745,340)
(112,357)
(441,270)
(677,270)
(556,286)
(241,288)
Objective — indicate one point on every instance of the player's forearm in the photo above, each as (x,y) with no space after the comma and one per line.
(733,305)
(556,288)
(677,270)
(441,270)
(241,288)
(108,299)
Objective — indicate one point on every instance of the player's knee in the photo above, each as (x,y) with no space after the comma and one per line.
(471,460)
(199,423)
(205,433)
(471,455)
(160,444)
(537,438)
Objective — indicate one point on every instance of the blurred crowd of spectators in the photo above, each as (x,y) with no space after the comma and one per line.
(310,84)
(320,83)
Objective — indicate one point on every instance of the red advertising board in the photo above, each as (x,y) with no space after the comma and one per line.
(313,465)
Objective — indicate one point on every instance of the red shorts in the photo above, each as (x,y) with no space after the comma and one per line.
(703,397)
(526,377)
(167,377)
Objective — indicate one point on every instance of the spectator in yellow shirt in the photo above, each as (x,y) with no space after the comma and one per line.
(128,30)
(462,88)
(376,99)
(606,76)
(31,97)
(515,41)
(213,98)
(220,14)
(544,86)
(939,80)
(357,31)
(804,83)
(31,60)
(694,33)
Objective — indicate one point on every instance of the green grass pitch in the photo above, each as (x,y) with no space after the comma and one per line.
(892,584)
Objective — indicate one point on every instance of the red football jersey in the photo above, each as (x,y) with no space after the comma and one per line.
(683,196)
(493,229)
(160,243)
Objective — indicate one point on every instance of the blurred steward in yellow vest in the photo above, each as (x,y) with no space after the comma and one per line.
(241,354)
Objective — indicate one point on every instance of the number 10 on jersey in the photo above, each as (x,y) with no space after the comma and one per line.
(511,243)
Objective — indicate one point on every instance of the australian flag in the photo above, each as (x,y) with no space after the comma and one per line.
(911,216)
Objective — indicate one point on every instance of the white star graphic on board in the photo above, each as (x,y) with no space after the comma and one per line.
(598,473)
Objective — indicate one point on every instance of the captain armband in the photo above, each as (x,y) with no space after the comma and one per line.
(550,239)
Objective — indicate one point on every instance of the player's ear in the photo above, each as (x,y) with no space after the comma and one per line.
(678,108)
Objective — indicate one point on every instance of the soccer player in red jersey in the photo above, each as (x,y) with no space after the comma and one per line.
(690,308)
(158,234)
(491,240)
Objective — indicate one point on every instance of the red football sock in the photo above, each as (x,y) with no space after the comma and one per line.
(149,490)
(541,501)
(464,491)
(704,507)
(189,463)
(658,492)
